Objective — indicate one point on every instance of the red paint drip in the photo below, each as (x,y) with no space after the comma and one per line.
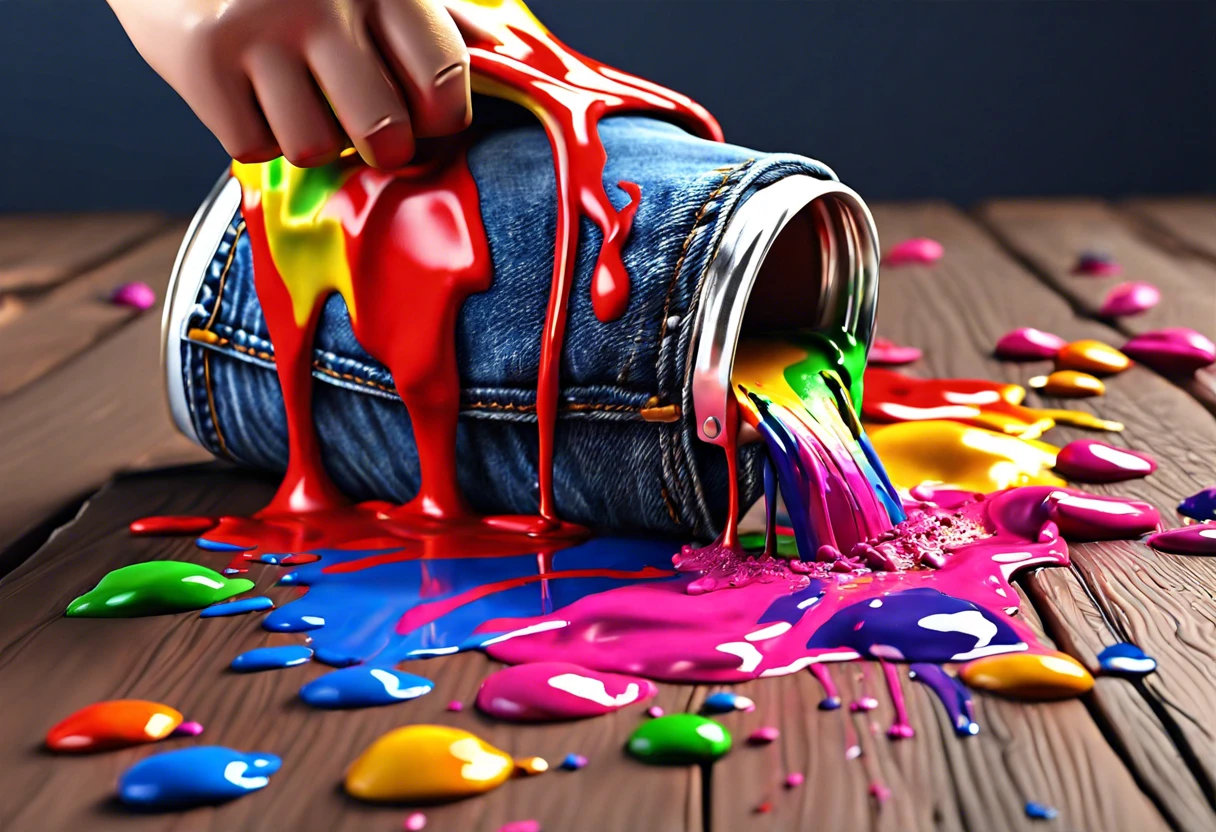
(172,525)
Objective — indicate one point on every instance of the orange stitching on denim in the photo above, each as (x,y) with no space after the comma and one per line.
(219,435)
(671,509)
(219,292)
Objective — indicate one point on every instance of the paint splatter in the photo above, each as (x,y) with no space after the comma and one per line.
(116,723)
(1130,299)
(455,706)
(1125,659)
(1089,356)
(1028,344)
(573,762)
(889,354)
(794,779)
(1041,811)
(1032,676)
(172,525)
(1200,506)
(1198,539)
(1175,352)
(238,607)
(271,658)
(1096,264)
(414,822)
(1068,384)
(364,687)
(188,729)
(679,739)
(763,735)
(157,587)
(521,826)
(1087,460)
(426,763)
(205,775)
(918,250)
(135,295)
(550,691)
(724,702)
(953,695)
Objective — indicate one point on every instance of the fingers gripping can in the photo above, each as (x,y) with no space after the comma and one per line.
(725,241)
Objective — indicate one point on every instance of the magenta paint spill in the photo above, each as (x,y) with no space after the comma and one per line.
(890,354)
(831,696)
(521,826)
(1028,344)
(763,735)
(794,779)
(456,706)
(414,822)
(1130,299)
(136,295)
(551,691)
(188,729)
(1199,539)
(1090,461)
(1086,517)
(1096,264)
(952,693)
(919,250)
(1176,351)
(901,728)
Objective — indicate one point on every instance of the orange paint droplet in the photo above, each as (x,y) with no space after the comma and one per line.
(1029,675)
(532,765)
(1091,356)
(1069,384)
(114,724)
(427,762)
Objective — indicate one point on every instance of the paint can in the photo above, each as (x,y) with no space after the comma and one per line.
(726,241)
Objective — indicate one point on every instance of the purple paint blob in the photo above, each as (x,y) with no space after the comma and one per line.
(1200,506)
(136,295)
(1176,351)
(1130,299)
(952,693)
(1028,344)
(1199,539)
(550,691)
(1087,460)
(188,729)
(889,354)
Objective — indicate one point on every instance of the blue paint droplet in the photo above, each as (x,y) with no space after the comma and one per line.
(829,703)
(1201,506)
(725,701)
(1041,811)
(195,776)
(217,546)
(1125,659)
(290,579)
(363,687)
(271,658)
(336,657)
(238,607)
(573,762)
(289,620)
(230,571)
(273,560)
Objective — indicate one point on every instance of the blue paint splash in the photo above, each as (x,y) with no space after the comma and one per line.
(954,696)
(238,607)
(1125,659)
(364,687)
(208,774)
(271,658)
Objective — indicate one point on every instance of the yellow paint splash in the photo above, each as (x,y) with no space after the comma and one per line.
(427,763)
(1028,675)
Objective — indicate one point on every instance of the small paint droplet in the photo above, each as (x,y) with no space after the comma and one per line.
(1198,539)
(1028,344)
(135,295)
(1041,811)
(456,706)
(364,687)
(1200,506)
(918,250)
(414,822)
(890,354)
(1175,351)
(865,703)
(852,752)
(1089,356)
(764,808)
(271,658)
(188,729)
(1068,384)
(1130,299)
(679,738)
(207,774)
(1087,460)
(1125,659)
(1096,264)
(172,525)
(573,762)
(830,703)
(521,826)
(794,779)
(116,723)
(530,766)
(654,711)
(763,735)
(238,607)
(880,793)
(219,546)
(726,701)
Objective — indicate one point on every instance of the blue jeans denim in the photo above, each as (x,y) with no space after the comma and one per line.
(627,455)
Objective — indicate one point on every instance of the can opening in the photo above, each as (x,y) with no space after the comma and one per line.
(799,253)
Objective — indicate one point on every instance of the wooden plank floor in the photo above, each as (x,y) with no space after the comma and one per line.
(1134,756)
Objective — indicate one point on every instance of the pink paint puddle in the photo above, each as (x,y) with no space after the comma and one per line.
(1199,539)
(1176,351)
(552,691)
(1028,344)
(1090,461)
(1130,299)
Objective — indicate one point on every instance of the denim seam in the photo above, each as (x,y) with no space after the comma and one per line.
(676,458)
(219,295)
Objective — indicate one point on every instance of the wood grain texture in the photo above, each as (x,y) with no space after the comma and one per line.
(77,314)
(37,252)
(975,294)
(1048,236)
(1189,223)
(53,665)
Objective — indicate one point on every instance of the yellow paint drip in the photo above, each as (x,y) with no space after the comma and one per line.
(1090,356)
(427,763)
(1082,419)
(962,456)
(308,247)
(760,367)
(1069,384)
(1029,675)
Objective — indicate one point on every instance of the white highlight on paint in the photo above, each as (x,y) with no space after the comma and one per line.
(982,397)
(770,632)
(204,580)
(1011,557)
(315,620)
(749,656)
(478,764)
(876,603)
(1094,505)
(234,773)
(158,725)
(971,622)
(434,651)
(1121,458)
(990,650)
(902,412)
(886,651)
(542,627)
(711,731)
(1210,534)
(593,690)
(392,685)
(809,602)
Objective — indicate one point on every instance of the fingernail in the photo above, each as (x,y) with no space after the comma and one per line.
(390,144)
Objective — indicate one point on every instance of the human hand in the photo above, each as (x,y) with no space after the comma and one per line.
(263,75)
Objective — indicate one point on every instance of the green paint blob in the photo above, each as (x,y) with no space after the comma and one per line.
(156,588)
(679,739)
(753,543)
(832,354)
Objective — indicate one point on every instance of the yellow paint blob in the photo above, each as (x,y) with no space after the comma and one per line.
(1069,384)
(1090,356)
(427,763)
(1028,675)
(961,456)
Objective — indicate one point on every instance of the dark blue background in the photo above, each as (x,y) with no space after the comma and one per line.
(909,99)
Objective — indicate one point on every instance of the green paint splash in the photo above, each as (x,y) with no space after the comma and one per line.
(679,739)
(829,353)
(156,588)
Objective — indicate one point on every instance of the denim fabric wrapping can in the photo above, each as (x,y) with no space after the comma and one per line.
(726,241)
